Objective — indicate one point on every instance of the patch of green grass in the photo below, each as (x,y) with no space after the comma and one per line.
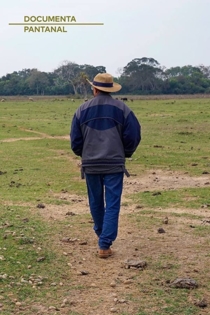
(29,262)
(33,169)
(172,136)
(167,302)
(182,198)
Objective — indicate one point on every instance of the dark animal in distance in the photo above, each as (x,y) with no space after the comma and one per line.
(124,98)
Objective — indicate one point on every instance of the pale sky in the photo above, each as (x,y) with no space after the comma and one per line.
(174,32)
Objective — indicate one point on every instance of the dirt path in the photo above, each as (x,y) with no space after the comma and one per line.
(41,136)
(106,286)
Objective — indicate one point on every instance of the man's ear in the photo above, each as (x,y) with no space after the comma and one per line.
(95,91)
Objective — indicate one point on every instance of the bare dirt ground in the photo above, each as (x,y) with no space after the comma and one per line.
(105,286)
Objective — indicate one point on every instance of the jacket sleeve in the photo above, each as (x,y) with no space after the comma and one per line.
(131,134)
(76,138)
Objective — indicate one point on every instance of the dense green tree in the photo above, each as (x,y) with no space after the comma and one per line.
(186,80)
(142,74)
(38,80)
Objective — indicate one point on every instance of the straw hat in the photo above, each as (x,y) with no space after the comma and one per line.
(104,82)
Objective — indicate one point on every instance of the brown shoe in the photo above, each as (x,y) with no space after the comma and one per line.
(104,253)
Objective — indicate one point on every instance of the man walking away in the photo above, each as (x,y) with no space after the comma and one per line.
(104,132)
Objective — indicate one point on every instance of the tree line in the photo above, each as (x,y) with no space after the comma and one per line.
(141,76)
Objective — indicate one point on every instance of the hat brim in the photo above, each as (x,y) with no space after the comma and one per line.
(115,88)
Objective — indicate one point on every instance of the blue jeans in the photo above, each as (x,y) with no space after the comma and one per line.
(104,193)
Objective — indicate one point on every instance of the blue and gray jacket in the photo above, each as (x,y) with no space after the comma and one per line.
(104,131)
